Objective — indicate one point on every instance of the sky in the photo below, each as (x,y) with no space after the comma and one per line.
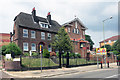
(90,12)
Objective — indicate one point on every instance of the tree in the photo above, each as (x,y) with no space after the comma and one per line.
(116,46)
(88,38)
(62,43)
(108,47)
(12,48)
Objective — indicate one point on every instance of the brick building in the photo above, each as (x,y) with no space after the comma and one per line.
(76,32)
(109,41)
(31,31)
(4,39)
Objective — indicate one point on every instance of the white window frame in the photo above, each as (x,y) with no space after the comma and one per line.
(83,32)
(43,25)
(25,33)
(49,48)
(43,35)
(77,31)
(49,35)
(75,24)
(25,49)
(33,48)
(68,29)
(74,30)
(33,35)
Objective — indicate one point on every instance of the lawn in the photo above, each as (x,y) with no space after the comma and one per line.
(46,62)
(36,62)
(78,61)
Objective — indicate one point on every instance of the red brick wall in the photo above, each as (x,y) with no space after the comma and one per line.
(76,48)
(29,40)
(4,39)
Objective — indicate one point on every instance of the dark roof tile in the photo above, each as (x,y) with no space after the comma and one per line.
(26,20)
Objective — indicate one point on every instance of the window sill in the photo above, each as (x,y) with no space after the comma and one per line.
(25,37)
(25,50)
(33,50)
(32,38)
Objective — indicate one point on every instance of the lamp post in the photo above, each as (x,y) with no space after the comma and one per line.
(104,34)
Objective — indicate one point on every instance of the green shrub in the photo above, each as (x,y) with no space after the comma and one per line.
(3,48)
(11,48)
(57,54)
(65,54)
(115,52)
(34,54)
(46,53)
(71,54)
(26,54)
(78,55)
(118,57)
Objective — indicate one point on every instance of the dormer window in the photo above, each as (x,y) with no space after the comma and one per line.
(44,25)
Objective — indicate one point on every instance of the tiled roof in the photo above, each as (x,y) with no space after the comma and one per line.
(111,38)
(76,19)
(26,20)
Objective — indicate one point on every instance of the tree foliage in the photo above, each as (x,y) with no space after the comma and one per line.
(108,47)
(12,48)
(88,38)
(116,46)
(62,41)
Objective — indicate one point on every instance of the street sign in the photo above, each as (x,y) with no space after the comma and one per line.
(40,48)
(101,51)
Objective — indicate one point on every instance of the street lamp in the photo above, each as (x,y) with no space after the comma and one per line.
(104,34)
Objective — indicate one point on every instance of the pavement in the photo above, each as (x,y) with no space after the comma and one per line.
(55,72)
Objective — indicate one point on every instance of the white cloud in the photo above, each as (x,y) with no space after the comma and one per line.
(110,10)
(61,11)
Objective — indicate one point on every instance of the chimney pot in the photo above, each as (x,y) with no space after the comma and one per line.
(49,18)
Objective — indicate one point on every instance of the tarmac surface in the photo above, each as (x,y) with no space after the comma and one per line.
(55,72)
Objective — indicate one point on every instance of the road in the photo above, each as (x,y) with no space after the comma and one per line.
(101,73)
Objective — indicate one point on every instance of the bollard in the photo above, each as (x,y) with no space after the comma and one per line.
(117,62)
(108,63)
(101,65)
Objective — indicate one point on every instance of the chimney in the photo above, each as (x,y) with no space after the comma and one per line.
(34,15)
(49,17)
(34,12)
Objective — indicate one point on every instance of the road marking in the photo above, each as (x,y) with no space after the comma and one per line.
(113,76)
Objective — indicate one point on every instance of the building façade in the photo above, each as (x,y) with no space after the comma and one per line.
(31,31)
(76,32)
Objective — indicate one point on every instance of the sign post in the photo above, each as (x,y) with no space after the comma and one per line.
(41,56)
(101,51)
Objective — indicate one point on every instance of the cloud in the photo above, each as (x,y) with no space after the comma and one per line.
(90,12)
(111,10)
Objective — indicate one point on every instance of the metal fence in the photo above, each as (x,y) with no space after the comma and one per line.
(75,61)
(34,62)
